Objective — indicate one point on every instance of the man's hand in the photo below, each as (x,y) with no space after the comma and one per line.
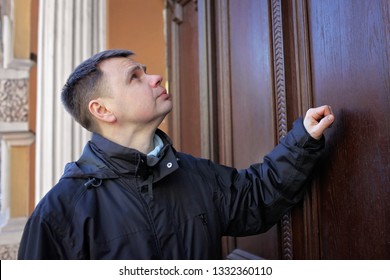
(317,120)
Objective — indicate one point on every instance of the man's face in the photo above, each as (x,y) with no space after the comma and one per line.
(135,97)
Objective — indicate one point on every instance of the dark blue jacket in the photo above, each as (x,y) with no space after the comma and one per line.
(115,203)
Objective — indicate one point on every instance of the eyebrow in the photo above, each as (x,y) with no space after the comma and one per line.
(132,69)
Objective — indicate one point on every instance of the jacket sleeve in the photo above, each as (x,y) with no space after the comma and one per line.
(252,200)
(38,241)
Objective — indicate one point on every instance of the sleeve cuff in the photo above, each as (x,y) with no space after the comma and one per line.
(303,139)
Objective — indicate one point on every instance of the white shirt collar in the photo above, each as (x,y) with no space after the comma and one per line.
(158,145)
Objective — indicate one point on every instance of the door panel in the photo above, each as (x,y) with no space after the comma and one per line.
(189,81)
(182,21)
(350,69)
(252,100)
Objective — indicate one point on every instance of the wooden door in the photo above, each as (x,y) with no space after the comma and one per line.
(270,61)
(350,55)
(337,53)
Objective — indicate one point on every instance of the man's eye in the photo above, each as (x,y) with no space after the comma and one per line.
(134,76)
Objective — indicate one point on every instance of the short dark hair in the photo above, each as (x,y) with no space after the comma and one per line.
(83,84)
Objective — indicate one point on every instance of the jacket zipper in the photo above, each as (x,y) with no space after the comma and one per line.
(138,190)
(150,218)
(203,220)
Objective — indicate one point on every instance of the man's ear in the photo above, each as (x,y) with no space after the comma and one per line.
(99,110)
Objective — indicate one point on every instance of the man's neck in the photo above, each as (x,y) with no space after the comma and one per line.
(141,140)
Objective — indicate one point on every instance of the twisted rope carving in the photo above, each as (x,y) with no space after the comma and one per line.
(281,110)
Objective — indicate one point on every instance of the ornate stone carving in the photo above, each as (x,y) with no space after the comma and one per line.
(0,176)
(14,100)
(9,251)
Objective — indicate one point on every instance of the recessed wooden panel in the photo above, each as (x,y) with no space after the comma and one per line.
(183,75)
(189,81)
(252,100)
(251,81)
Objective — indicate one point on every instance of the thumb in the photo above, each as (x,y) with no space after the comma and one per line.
(323,124)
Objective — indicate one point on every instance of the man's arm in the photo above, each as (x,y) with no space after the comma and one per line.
(254,199)
(38,242)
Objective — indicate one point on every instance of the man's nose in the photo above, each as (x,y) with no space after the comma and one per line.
(155,80)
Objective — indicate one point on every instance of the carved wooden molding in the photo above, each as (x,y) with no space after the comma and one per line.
(280,83)
(223,80)
(176,8)
(304,92)
(281,108)
(177,13)
(196,4)
(175,82)
(302,54)
(206,83)
(225,104)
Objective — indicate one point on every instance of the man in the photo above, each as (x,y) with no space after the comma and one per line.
(132,196)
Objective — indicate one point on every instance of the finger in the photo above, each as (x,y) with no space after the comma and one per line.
(317,120)
(325,122)
(318,129)
(330,110)
(322,111)
(331,114)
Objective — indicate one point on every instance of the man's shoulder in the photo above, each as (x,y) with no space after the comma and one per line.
(203,166)
(61,200)
(189,160)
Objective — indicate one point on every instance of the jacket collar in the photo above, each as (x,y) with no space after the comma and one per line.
(104,159)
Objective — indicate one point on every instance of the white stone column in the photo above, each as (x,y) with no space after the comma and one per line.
(69,32)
